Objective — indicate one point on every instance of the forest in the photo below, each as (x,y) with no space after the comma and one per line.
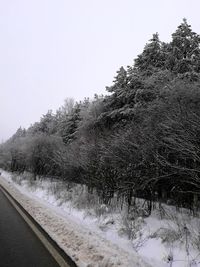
(140,140)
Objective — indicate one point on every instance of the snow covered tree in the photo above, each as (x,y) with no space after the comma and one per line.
(152,57)
(69,124)
(116,105)
(185,50)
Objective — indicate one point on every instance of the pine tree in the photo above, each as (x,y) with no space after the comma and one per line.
(185,50)
(69,124)
(115,104)
(152,57)
(119,86)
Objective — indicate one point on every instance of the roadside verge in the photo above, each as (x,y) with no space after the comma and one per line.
(85,247)
(58,254)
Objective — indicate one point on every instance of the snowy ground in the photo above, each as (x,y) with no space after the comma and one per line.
(99,236)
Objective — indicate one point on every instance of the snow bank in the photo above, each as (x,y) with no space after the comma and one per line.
(88,248)
(95,236)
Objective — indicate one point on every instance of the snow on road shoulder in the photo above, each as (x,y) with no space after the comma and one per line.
(85,246)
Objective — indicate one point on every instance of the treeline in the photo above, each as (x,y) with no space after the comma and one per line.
(142,139)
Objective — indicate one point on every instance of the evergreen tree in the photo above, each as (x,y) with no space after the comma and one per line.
(152,57)
(69,124)
(118,89)
(114,103)
(185,50)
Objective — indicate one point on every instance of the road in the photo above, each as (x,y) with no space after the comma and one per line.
(19,246)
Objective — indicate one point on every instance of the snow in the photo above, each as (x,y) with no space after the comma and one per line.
(98,241)
(87,247)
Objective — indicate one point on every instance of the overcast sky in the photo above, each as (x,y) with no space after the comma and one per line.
(54,49)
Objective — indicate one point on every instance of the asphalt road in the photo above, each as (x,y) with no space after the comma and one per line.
(19,246)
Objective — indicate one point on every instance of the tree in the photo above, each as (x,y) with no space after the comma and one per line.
(69,123)
(152,57)
(40,154)
(46,125)
(117,105)
(185,50)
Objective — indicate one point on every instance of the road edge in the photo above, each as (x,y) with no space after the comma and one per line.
(54,249)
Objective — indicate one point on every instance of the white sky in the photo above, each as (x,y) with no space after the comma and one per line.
(53,49)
